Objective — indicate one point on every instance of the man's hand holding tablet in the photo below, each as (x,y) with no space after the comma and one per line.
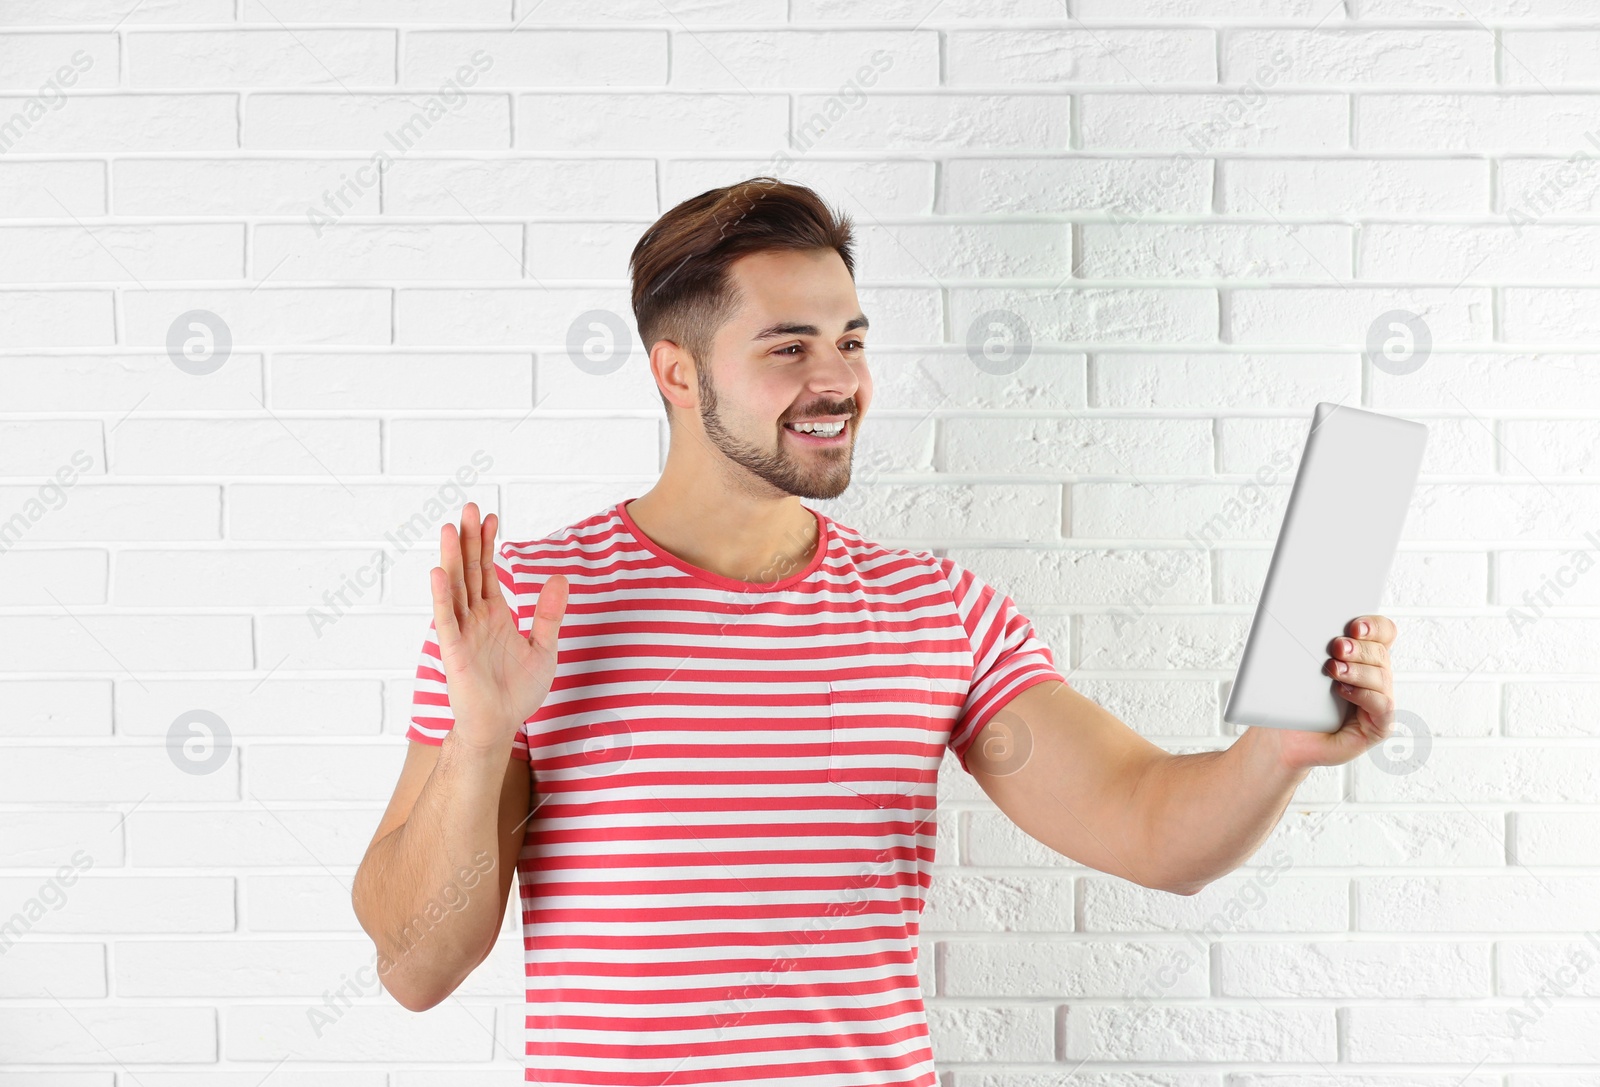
(1359,666)
(1328,575)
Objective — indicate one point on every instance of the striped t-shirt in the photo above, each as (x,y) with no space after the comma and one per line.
(722,881)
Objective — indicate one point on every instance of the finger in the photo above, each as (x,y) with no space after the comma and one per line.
(547,613)
(1377,703)
(1360,651)
(1379,628)
(450,560)
(1358,675)
(445,627)
(472,553)
(491,576)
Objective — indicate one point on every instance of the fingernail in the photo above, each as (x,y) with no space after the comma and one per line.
(1361,628)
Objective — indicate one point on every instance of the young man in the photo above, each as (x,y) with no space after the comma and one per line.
(707,725)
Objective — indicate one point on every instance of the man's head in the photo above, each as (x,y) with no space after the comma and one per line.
(745,297)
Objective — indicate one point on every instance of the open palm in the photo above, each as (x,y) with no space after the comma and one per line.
(496,678)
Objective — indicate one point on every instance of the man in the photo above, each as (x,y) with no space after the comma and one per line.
(715,767)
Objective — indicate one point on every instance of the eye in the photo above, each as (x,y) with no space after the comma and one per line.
(858,345)
(791,347)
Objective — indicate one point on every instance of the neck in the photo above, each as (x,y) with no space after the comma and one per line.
(754,538)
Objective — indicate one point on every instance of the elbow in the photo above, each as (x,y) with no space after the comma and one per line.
(1192,887)
(416,989)
(413,1000)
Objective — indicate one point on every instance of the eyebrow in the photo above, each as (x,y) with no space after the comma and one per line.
(778,331)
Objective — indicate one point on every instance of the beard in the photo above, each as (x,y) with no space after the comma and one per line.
(815,473)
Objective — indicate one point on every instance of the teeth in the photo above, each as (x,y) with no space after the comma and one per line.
(822,430)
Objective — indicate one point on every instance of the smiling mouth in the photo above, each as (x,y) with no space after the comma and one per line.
(822,434)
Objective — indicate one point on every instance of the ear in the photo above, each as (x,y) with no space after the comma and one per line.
(674,374)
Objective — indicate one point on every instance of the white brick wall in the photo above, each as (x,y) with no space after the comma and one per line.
(1196,208)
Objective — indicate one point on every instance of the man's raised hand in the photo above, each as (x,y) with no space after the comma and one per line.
(496,678)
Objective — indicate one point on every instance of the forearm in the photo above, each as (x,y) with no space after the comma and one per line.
(1206,813)
(426,892)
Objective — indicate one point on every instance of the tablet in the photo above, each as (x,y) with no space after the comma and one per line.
(1335,547)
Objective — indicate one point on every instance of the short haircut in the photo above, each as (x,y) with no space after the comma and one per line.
(682,290)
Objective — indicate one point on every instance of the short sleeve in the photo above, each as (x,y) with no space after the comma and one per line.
(1008,656)
(431,716)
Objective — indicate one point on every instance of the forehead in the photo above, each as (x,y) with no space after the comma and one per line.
(808,286)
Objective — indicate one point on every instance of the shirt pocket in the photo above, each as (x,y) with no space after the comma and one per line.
(885,740)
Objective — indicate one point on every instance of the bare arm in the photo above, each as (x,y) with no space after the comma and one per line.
(1206,813)
(1073,776)
(431,890)
(1066,771)
(1077,779)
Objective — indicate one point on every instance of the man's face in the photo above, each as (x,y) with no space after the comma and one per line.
(794,353)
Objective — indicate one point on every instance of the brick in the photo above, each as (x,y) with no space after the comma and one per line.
(1348,969)
(120,122)
(1222,121)
(1178,251)
(224,839)
(170,186)
(901,251)
(343,252)
(262,58)
(362,1032)
(638,122)
(520,187)
(846,62)
(1389,57)
(62,318)
(52,64)
(125,382)
(909,11)
(1078,445)
(112,12)
(1157,1033)
(1448,254)
(1550,58)
(927,123)
(497,317)
(1120,188)
(1561,315)
(1148,57)
(1213,381)
(1353,186)
(43,189)
(39,970)
(66,254)
(396,124)
(553,58)
(265,315)
(1090,314)
(1480,123)
(99,904)
(1343,315)
(356,382)
(536,447)
(122,1033)
(374,11)
(56,708)
(1559,1035)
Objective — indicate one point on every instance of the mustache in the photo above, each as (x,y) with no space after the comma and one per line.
(843,409)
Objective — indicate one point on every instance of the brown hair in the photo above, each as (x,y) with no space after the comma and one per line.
(681,287)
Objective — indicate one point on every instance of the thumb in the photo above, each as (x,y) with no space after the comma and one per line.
(547,613)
